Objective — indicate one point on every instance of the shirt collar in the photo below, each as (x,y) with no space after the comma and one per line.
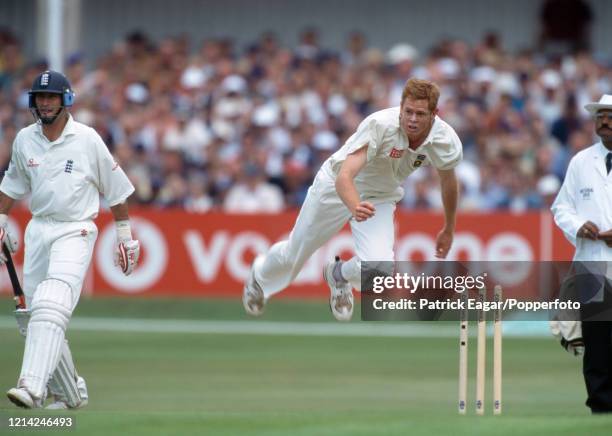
(602,150)
(432,131)
(430,135)
(69,130)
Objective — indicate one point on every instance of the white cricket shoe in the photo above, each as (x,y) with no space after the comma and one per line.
(253,298)
(22,398)
(341,298)
(60,402)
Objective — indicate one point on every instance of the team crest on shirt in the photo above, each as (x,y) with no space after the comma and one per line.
(419,160)
(69,164)
(396,153)
(32,163)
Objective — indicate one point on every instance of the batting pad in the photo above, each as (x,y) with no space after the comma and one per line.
(51,310)
(63,382)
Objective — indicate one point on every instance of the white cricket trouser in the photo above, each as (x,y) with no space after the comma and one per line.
(58,250)
(57,256)
(322,215)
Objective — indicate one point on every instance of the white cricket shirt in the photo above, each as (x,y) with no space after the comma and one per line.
(389,159)
(65,177)
(586,195)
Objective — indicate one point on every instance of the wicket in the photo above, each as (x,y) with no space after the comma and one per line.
(481,353)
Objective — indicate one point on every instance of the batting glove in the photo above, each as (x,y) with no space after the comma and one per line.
(128,250)
(126,256)
(6,238)
(569,334)
(575,346)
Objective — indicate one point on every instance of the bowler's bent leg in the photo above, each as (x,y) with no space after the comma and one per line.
(374,239)
(322,215)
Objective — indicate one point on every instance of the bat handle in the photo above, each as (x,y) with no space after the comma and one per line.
(10,267)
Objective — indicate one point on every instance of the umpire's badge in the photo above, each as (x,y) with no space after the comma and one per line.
(586,193)
(419,160)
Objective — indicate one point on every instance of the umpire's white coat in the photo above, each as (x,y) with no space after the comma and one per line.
(389,161)
(586,195)
(65,179)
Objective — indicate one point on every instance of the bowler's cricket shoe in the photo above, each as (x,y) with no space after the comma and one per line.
(253,298)
(22,398)
(341,297)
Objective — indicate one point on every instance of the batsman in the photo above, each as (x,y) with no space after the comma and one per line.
(64,167)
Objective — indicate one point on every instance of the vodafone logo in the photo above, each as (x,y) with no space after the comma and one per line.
(508,248)
(222,251)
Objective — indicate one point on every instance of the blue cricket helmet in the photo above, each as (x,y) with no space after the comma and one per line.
(54,83)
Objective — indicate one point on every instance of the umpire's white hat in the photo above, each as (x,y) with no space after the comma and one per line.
(605,102)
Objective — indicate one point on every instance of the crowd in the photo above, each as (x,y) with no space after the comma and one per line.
(214,126)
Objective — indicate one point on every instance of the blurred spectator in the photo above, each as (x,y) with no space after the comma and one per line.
(548,188)
(401,58)
(569,121)
(356,49)
(173,192)
(252,194)
(11,60)
(182,120)
(197,199)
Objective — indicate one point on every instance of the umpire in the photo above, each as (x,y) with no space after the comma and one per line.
(583,211)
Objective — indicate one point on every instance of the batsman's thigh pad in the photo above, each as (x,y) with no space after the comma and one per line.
(51,311)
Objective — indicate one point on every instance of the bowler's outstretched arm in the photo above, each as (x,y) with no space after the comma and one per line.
(450,193)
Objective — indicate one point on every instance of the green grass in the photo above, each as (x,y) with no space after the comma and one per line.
(209,309)
(183,384)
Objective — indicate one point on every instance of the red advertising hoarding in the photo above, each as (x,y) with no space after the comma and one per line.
(209,255)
